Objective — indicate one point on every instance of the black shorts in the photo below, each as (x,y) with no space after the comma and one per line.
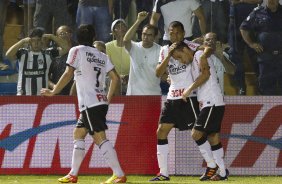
(209,120)
(93,119)
(180,113)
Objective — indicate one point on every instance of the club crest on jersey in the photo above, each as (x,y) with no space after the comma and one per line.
(40,61)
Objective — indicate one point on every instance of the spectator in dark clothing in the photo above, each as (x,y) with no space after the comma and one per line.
(215,12)
(3,12)
(121,8)
(98,13)
(239,10)
(265,23)
(45,11)
(58,66)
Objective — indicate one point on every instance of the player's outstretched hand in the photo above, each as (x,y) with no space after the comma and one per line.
(46,92)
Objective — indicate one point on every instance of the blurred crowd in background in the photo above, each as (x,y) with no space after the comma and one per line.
(248,35)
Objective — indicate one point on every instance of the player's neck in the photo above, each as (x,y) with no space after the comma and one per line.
(120,42)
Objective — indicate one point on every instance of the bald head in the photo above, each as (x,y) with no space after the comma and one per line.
(210,40)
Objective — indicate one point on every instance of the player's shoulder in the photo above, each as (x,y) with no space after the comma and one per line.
(198,52)
(157,46)
(192,45)
(258,8)
(165,47)
(23,50)
(76,48)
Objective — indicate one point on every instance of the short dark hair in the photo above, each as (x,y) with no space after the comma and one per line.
(150,26)
(175,24)
(36,32)
(180,45)
(85,34)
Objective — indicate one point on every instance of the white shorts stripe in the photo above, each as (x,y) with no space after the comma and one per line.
(89,122)
(206,123)
(192,105)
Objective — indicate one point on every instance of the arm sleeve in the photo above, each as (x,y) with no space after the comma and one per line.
(157,7)
(20,52)
(249,23)
(163,53)
(109,65)
(73,57)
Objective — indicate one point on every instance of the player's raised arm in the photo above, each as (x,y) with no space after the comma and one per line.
(132,30)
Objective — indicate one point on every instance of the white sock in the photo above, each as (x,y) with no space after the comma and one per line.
(218,158)
(110,155)
(162,154)
(77,156)
(206,152)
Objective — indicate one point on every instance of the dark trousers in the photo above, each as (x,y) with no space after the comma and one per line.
(270,75)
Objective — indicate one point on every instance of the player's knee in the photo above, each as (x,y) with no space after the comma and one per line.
(79,144)
(79,133)
(162,132)
(214,138)
(196,135)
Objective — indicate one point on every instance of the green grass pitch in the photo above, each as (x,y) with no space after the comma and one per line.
(136,179)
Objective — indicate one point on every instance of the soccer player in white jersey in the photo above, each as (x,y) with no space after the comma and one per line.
(176,113)
(86,63)
(221,63)
(143,59)
(207,127)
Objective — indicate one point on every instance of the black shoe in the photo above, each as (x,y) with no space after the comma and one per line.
(209,173)
(160,177)
(220,178)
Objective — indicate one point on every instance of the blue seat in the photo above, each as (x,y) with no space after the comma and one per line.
(8,88)
(12,69)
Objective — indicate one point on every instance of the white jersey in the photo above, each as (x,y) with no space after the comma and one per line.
(180,74)
(91,67)
(220,70)
(142,75)
(209,93)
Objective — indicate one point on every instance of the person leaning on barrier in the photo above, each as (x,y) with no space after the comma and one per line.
(265,24)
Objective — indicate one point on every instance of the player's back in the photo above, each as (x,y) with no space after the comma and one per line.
(91,67)
(210,92)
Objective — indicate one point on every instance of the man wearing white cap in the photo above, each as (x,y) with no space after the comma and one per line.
(118,55)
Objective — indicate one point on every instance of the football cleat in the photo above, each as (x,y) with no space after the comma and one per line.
(160,177)
(115,179)
(209,173)
(220,178)
(68,179)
